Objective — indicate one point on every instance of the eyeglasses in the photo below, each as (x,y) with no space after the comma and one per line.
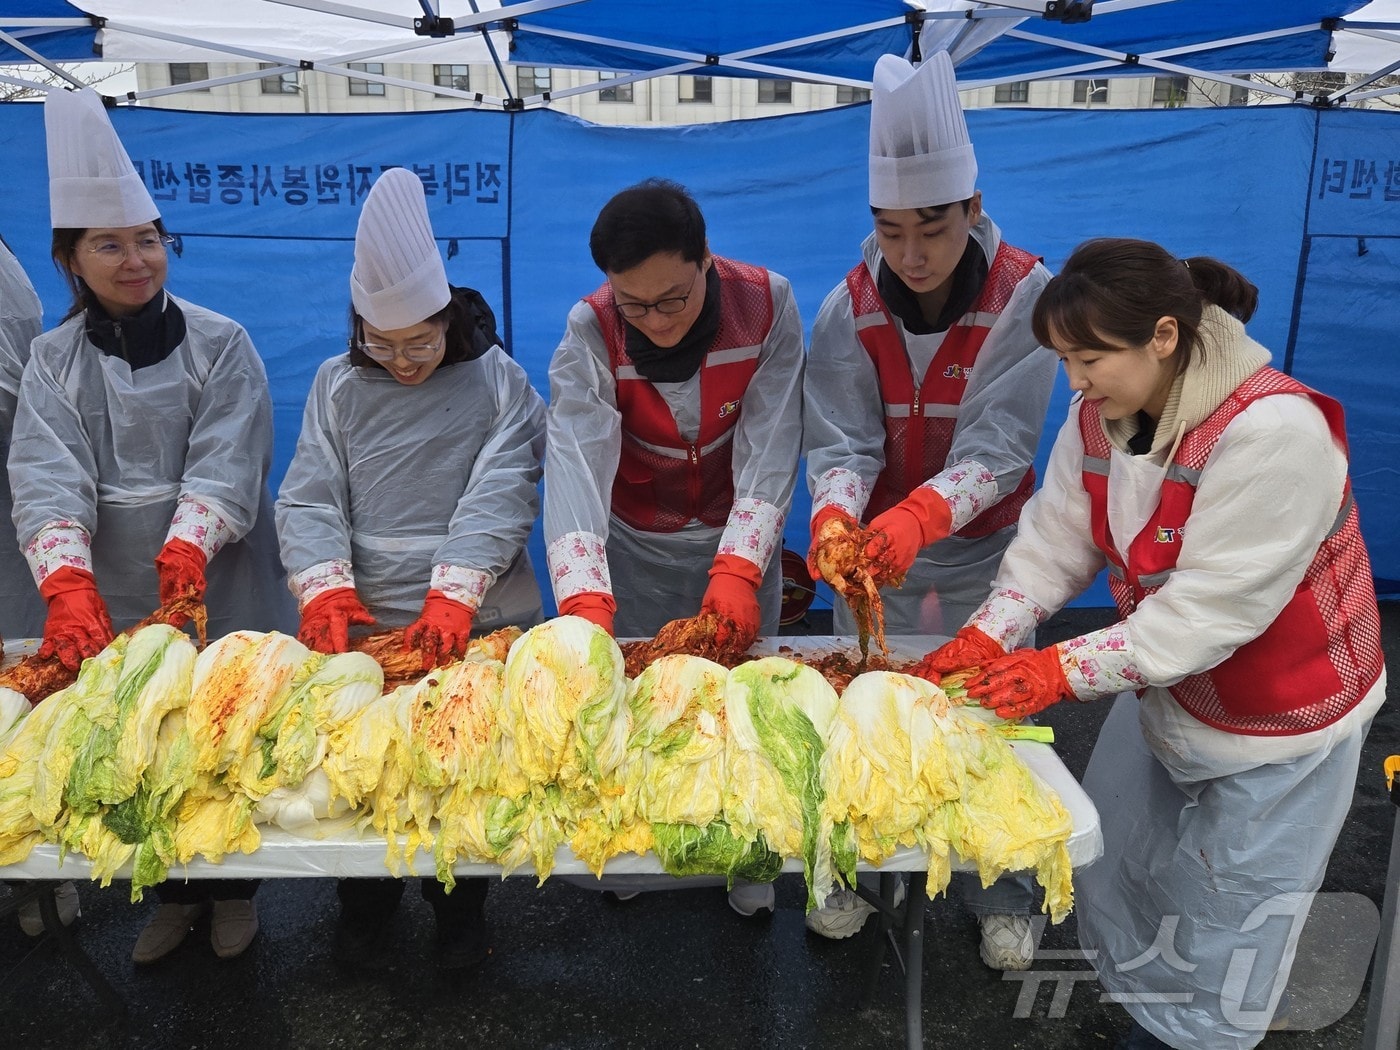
(670,305)
(114,253)
(418,353)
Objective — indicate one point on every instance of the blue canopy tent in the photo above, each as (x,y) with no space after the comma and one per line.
(1304,199)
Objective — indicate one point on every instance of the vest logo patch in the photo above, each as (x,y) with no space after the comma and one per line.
(728,408)
(1166,535)
(957,372)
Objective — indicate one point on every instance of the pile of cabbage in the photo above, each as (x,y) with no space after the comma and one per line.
(159,754)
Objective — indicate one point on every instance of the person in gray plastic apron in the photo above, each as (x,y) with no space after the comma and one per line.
(21,608)
(674,433)
(410,497)
(21,319)
(140,454)
(923,403)
(1250,637)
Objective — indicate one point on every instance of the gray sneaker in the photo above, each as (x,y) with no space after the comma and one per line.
(65,895)
(844,913)
(750,898)
(1006,941)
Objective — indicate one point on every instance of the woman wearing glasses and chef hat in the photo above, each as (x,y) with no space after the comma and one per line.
(924,398)
(410,497)
(140,454)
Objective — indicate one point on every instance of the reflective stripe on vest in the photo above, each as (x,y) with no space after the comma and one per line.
(919,422)
(1322,652)
(662,480)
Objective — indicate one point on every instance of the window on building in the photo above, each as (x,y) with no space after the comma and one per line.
(775,91)
(1239,94)
(532,80)
(189,73)
(459,77)
(1016,91)
(367,87)
(280,84)
(1087,92)
(1169,91)
(620,93)
(696,89)
(846,94)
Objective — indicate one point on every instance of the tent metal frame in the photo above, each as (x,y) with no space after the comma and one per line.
(423,32)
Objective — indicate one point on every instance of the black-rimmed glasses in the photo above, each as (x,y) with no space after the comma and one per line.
(672,304)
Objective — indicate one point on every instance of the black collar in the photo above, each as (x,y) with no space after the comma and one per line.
(967,280)
(144,338)
(676,364)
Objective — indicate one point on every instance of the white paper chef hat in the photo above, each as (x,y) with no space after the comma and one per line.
(92,182)
(398,279)
(920,154)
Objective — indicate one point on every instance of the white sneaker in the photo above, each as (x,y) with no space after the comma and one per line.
(65,895)
(844,913)
(1006,941)
(750,898)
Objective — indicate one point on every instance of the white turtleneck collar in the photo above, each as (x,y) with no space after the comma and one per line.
(1223,358)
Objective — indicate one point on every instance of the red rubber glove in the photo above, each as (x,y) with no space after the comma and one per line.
(733,597)
(828,524)
(441,630)
(326,620)
(595,606)
(897,535)
(180,566)
(1022,682)
(968,648)
(78,625)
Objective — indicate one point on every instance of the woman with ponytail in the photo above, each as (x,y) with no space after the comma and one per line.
(1246,659)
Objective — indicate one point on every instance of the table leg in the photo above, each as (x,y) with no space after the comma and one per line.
(73,951)
(1383,1009)
(916,897)
(884,910)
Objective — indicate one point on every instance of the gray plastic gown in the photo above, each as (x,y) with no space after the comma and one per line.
(397,481)
(114,450)
(998,428)
(21,319)
(656,577)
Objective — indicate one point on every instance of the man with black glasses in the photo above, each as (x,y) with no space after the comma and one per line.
(673,434)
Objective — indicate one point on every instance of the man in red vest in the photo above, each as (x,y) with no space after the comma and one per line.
(673,433)
(924,398)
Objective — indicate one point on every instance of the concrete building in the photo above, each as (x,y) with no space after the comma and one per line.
(662,100)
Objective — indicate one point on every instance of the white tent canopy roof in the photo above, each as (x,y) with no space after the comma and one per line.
(825,41)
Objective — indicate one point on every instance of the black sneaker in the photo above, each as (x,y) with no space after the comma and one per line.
(362,943)
(461,942)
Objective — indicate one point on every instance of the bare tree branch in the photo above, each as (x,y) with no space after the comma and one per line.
(38,75)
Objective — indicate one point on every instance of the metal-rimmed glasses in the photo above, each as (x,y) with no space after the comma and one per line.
(112,252)
(672,304)
(417,353)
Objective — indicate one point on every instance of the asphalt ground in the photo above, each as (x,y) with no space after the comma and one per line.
(571,969)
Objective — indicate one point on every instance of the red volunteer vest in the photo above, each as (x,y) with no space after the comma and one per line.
(919,421)
(1320,656)
(662,480)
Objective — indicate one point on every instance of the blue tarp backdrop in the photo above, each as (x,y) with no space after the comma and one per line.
(1305,202)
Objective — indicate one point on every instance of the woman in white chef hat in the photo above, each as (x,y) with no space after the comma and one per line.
(924,398)
(410,497)
(140,454)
